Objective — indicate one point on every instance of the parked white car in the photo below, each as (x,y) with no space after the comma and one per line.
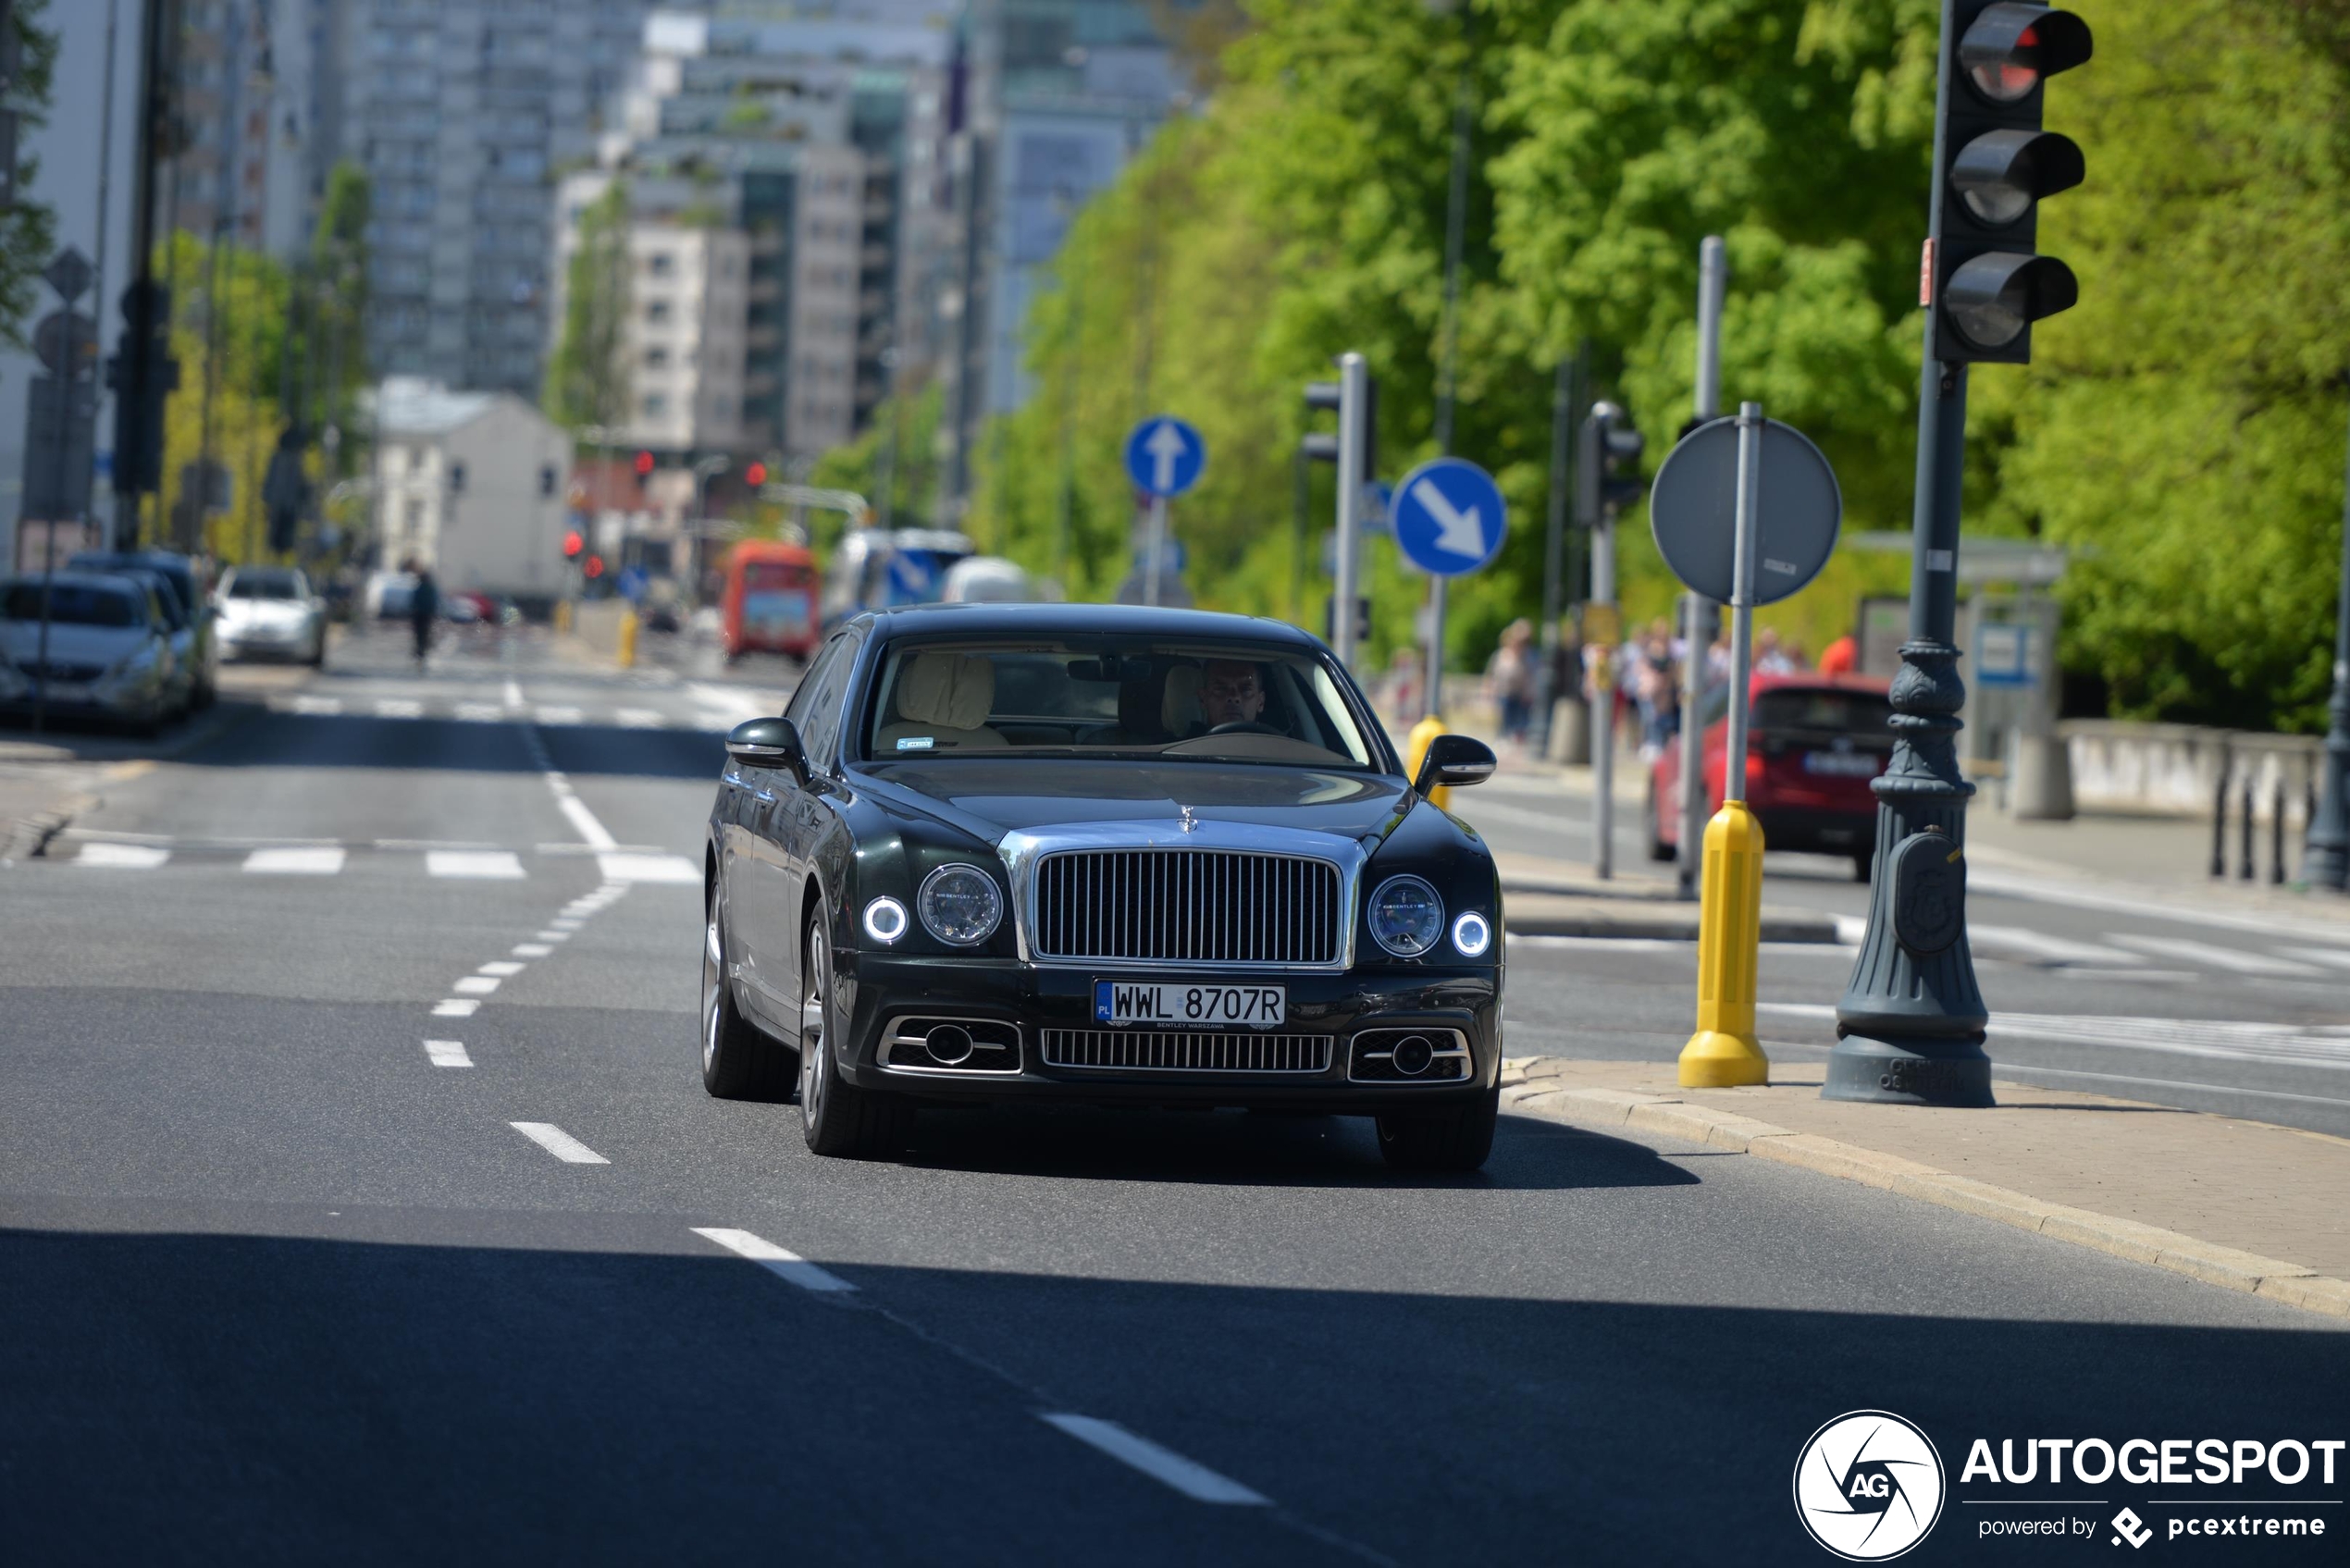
(271,613)
(107,654)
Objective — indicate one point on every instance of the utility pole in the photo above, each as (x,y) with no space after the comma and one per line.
(143,373)
(2326,842)
(1448,365)
(1698,614)
(1554,550)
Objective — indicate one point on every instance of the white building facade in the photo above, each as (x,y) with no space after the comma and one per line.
(472,484)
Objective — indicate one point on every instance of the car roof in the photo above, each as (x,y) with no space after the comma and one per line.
(1082,620)
(84,577)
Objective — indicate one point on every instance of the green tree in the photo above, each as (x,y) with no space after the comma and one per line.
(588,380)
(28,229)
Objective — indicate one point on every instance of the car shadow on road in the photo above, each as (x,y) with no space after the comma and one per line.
(1260,1149)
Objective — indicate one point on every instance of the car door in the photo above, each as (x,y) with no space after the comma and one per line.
(760,929)
(800,811)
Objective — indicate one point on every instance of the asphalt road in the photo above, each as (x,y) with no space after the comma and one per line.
(284,1281)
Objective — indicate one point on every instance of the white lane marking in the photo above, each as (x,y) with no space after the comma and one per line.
(323,707)
(649,868)
(557,715)
(2213,956)
(563,925)
(532,950)
(498,865)
(724,707)
(448,1053)
(431,844)
(502,967)
(2339,959)
(2144,903)
(550,936)
(121,857)
(1851,930)
(513,693)
(475,986)
(582,820)
(557,1142)
(2039,946)
(295,862)
(481,712)
(2175,1083)
(455,1007)
(398,708)
(640,718)
(778,1261)
(1193,1479)
(2324,1045)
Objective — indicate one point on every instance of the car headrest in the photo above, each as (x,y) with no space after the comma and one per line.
(953,691)
(1179,710)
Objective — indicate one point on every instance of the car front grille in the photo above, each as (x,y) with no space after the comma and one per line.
(1152,1051)
(1188,906)
(57,670)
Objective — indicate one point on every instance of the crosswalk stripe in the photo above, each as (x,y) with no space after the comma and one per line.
(558,715)
(398,708)
(323,707)
(310,862)
(649,868)
(121,857)
(640,718)
(481,712)
(498,865)
(2218,1039)
(2337,957)
(2215,956)
(2039,946)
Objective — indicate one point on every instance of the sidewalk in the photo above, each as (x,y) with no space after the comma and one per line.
(2237,1204)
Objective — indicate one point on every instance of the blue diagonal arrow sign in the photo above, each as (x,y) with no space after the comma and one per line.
(1165,456)
(1448,517)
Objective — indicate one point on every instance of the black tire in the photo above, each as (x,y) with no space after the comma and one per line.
(837,1117)
(739,1061)
(1658,848)
(1455,1138)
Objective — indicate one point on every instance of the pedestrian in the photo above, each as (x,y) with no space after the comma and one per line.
(1657,686)
(1840,657)
(423,606)
(1770,659)
(1509,681)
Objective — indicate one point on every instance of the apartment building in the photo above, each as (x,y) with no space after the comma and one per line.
(473,485)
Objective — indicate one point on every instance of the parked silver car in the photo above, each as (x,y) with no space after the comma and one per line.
(271,613)
(109,648)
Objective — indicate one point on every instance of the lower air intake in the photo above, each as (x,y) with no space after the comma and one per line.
(1152,1051)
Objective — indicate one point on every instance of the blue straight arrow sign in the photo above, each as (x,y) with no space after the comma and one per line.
(1165,456)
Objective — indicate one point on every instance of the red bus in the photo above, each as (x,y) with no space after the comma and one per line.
(769,600)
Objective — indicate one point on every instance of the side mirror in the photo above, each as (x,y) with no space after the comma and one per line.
(1454,762)
(769,743)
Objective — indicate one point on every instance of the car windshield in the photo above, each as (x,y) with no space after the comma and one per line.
(70,604)
(264,584)
(1244,702)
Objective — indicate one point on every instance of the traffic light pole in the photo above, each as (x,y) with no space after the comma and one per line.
(1714,281)
(1910,1027)
(1354,382)
(2326,853)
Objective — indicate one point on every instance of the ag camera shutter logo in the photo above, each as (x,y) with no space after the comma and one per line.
(1869,1485)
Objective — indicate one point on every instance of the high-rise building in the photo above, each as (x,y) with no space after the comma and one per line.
(218,185)
(462,112)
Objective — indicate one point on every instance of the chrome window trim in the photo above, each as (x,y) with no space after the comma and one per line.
(1024,851)
(1459,1052)
(891,1036)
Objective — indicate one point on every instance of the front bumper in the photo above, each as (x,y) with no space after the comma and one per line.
(877,989)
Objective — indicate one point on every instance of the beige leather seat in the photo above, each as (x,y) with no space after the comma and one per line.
(943,696)
(1179,708)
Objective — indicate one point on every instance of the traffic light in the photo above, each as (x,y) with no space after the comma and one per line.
(1993,163)
(1607,466)
(595,567)
(573,545)
(644,464)
(756,474)
(1353,397)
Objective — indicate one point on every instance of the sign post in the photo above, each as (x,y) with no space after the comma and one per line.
(1745,511)
(1449,520)
(1164,457)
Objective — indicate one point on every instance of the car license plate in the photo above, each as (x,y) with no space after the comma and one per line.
(1121,1001)
(1843,764)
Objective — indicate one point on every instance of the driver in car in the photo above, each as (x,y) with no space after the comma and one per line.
(1231,691)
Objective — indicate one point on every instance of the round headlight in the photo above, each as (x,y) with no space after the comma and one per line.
(1472,933)
(959,905)
(1406,917)
(884,920)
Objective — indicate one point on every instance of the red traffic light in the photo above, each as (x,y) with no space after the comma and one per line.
(644,464)
(595,567)
(573,545)
(756,473)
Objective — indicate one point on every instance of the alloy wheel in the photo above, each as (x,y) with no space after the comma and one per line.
(713,979)
(813,1041)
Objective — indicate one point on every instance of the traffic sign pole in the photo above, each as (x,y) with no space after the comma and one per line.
(1603,709)
(1157,548)
(1724,1051)
(1714,277)
(1353,381)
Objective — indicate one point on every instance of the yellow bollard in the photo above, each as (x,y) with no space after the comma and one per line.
(1724,1052)
(626,652)
(1415,747)
(562,615)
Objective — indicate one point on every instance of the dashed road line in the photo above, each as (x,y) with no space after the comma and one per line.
(496,865)
(456,1008)
(1164,1466)
(475,986)
(448,1053)
(532,950)
(502,967)
(779,1261)
(557,1142)
(296,862)
(121,857)
(552,935)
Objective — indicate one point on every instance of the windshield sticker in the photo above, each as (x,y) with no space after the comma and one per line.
(914,742)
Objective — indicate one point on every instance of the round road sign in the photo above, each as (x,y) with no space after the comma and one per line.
(1693,511)
(1448,517)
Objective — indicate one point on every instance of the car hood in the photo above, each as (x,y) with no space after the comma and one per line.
(988,798)
(69,644)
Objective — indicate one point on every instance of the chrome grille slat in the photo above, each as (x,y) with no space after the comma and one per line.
(1177,905)
(1135,1050)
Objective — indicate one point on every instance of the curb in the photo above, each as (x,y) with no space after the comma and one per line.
(27,838)
(1551,914)
(2225,1266)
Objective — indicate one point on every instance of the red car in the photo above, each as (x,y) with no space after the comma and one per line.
(1813,744)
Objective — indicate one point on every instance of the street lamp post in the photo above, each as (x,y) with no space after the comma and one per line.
(2326,853)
